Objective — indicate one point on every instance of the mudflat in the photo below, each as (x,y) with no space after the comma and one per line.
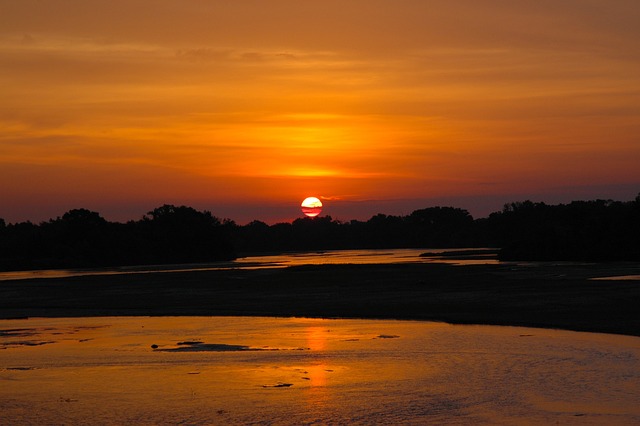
(549,295)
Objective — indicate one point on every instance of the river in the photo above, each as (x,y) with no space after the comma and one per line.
(283,260)
(239,370)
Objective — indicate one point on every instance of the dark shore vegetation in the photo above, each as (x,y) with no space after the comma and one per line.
(82,238)
(600,230)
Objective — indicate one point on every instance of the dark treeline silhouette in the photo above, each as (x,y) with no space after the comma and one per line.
(431,227)
(599,230)
(82,238)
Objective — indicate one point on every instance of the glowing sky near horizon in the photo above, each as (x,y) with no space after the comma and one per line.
(246,107)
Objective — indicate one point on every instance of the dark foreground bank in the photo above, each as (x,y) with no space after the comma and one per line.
(547,295)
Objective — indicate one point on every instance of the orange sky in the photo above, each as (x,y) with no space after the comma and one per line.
(245,108)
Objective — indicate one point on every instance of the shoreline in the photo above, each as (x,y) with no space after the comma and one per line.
(549,295)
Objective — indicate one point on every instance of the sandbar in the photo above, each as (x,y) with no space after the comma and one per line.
(548,295)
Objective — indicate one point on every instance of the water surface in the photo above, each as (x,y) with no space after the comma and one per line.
(329,257)
(238,370)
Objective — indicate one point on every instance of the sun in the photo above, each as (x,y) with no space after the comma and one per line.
(311,206)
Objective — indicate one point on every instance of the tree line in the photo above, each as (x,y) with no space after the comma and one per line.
(82,238)
(599,230)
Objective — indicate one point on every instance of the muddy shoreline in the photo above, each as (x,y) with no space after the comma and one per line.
(548,295)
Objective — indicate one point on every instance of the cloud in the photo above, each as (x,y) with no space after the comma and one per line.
(209,54)
(203,54)
(27,40)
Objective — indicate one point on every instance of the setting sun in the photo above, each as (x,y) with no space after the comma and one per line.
(311,206)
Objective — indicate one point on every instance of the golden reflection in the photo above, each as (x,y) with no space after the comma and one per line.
(316,338)
(317,375)
(318,396)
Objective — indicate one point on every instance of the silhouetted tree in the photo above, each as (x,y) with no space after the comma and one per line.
(441,227)
(183,234)
(385,231)
(79,238)
(256,236)
(21,245)
(581,230)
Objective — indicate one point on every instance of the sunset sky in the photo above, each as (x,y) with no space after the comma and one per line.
(244,108)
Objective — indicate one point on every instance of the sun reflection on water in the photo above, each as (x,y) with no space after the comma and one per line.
(310,371)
